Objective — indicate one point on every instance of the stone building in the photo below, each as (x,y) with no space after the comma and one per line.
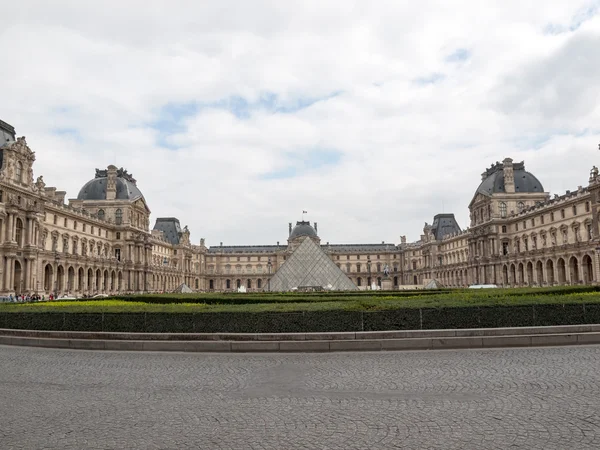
(101,243)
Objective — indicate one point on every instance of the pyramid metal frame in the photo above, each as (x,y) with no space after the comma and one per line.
(310,267)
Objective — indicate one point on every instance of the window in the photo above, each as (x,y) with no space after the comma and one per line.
(228,284)
(533,221)
(55,219)
(542,219)
(516,227)
(562,213)
(101,214)
(504,228)
(84,227)
(211,284)
(19,232)
(551,217)
(118,254)
(248,258)
(587,205)
(378,257)
(520,206)
(259,282)
(75,225)
(574,210)
(249,284)
(526,244)
(1,194)
(105,233)
(19,171)
(118,216)
(524,225)
(65,223)
(118,235)
(505,248)
(92,230)
(502,209)
(238,258)
(358,267)
(348,267)
(347,257)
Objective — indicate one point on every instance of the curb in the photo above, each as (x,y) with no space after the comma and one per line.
(309,342)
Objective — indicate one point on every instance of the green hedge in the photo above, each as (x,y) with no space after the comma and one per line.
(322,321)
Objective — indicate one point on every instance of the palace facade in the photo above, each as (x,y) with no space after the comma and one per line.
(101,243)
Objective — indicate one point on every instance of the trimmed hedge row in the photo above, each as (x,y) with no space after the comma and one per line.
(324,321)
(256,298)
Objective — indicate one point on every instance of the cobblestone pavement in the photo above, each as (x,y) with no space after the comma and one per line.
(545,398)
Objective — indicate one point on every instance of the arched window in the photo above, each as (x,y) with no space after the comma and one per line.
(249,284)
(211,284)
(502,209)
(19,171)
(101,214)
(118,216)
(238,283)
(520,206)
(359,281)
(19,232)
(228,284)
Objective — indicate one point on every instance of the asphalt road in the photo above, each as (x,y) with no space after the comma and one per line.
(544,398)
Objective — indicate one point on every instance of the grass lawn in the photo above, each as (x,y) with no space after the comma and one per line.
(205,303)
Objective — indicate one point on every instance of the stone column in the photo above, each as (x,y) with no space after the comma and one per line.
(11,220)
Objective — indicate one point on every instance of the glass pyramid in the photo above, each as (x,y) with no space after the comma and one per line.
(308,268)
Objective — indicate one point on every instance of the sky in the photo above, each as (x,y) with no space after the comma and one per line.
(236,116)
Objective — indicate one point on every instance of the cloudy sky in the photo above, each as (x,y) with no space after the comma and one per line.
(234,116)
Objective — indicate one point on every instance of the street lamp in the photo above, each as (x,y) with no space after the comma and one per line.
(269,265)
(369,270)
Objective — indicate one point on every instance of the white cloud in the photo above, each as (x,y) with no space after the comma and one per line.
(408,150)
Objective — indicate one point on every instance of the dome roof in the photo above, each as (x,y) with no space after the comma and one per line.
(95,189)
(303,229)
(525,182)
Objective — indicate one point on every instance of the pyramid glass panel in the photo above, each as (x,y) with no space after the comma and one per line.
(309,267)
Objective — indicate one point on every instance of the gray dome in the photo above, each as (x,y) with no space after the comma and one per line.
(525,182)
(96,190)
(302,229)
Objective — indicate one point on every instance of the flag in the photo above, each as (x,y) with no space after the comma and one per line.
(304,212)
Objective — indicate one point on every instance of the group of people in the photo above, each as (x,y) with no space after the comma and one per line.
(28,298)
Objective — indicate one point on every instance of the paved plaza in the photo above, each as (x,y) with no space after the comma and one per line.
(546,398)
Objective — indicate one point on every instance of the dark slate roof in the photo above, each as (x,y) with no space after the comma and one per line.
(334,248)
(96,190)
(170,227)
(246,248)
(524,181)
(7,134)
(303,229)
(444,225)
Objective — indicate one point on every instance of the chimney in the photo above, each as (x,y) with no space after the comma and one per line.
(509,176)
(316,229)
(111,183)
(290,229)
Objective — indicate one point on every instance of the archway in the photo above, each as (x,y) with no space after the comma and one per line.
(70,279)
(48,273)
(395,281)
(60,279)
(539,269)
(530,273)
(561,270)
(249,283)
(513,274)
(505,275)
(550,272)
(18,284)
(588,269)
(98,280)
(574,270)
